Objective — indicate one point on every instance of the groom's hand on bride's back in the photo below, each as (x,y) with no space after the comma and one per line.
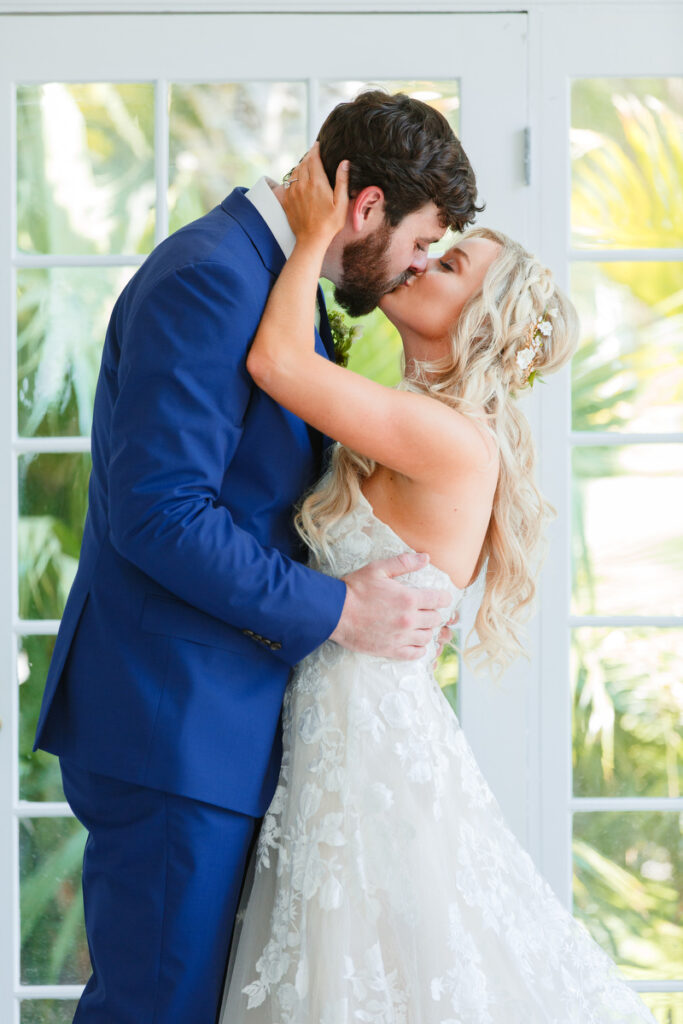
(383,616)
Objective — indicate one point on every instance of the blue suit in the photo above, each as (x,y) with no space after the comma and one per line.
(190,604)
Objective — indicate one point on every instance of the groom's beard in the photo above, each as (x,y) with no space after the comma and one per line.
(364,273)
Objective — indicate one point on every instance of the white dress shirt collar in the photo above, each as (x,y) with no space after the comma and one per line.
(263,198)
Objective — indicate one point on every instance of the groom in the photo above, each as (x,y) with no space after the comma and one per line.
(191,602)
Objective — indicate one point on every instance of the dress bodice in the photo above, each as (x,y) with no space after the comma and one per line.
(386,885)
(360,537)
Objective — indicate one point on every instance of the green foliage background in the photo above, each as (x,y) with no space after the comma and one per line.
(627,702)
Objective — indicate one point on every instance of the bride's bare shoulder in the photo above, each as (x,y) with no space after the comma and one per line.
(468,440)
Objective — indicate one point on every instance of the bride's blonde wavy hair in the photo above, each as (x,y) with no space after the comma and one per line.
(481,373)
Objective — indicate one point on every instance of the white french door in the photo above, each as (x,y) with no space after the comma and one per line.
(607,94)
(115,130)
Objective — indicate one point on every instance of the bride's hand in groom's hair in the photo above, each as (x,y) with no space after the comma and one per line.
(315,212)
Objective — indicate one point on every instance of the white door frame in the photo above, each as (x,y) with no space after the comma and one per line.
(578,41)
(233,47)
(522,737)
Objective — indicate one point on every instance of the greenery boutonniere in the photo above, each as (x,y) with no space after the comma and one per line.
(343,335)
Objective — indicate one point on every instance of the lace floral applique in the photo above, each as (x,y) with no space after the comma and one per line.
(465,982)
(387,887)
(376,991)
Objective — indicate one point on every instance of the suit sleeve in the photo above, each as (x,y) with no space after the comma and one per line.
(177,420)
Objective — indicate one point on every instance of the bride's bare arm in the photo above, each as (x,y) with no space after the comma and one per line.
(413,434)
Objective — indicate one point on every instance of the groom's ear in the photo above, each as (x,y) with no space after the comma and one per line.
(367,209)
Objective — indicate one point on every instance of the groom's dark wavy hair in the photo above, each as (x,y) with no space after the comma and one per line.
(406,148)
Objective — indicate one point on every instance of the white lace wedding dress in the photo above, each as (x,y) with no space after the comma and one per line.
(385,886)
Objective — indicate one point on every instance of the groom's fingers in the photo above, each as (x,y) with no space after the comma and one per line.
(428,619)
(428,599)
(411,561)
(445,637)
(384,616)
(398,565)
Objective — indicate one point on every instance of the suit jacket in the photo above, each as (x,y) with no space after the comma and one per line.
(191,602)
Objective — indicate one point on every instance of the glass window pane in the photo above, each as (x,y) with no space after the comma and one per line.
(447,671)
(628,371)
(225,134)
(39,774)
(443,95)
(628,709)
(62,316)
(53,497)
(85,167)
(627,161)
(666,1007)
(626,538)
(53,944)
(48,1011)
(628,883)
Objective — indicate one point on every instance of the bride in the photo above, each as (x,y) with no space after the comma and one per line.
(385,885)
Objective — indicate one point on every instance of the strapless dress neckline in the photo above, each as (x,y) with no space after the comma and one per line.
(385,526)
(385,885)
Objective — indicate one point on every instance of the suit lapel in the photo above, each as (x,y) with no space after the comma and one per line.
(324,330)
(237,206)
(328,343)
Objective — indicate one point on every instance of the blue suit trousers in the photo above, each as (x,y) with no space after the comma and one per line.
(162,876)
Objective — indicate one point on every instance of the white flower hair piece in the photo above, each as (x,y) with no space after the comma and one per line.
(540,329)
